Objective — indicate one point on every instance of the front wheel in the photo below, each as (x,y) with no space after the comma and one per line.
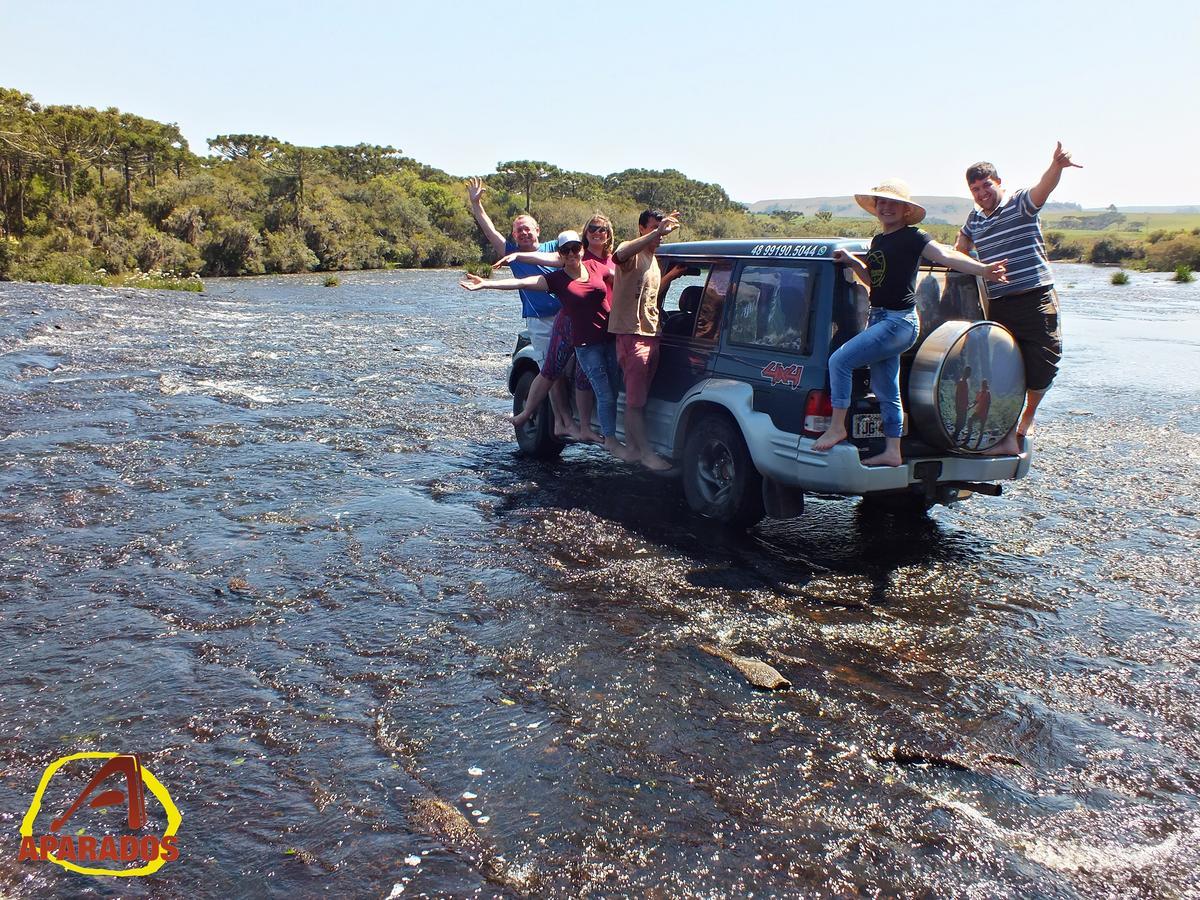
(719,479)
(536,437)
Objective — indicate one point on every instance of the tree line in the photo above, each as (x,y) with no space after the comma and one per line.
(87,192)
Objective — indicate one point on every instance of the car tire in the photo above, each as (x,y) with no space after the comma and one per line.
(719,478)
(536,437)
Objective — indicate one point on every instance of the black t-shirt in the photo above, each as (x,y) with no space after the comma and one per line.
(893,263)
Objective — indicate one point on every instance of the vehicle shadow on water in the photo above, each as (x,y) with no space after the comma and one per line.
(832,538)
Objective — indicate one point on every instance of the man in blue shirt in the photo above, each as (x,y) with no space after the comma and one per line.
(1010,228)
(538,307)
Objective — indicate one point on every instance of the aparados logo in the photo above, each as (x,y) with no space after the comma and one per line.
(86,853)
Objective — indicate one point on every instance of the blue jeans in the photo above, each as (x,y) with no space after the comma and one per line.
(889,333)
(599,364)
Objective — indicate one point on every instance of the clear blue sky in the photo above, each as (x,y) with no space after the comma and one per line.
(769,99)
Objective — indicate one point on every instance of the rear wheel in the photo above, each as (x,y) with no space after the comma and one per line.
(719,478)
(536,437)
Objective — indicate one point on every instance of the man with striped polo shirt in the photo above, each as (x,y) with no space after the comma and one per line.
(1008,227)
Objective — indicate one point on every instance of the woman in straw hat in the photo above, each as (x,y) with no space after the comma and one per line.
(891,272)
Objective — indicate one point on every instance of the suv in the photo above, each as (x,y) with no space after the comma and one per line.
(742,388)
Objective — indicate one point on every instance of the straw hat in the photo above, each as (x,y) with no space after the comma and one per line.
(892,189)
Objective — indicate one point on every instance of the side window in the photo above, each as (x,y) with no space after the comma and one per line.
(772,307)
(851,308)
(692,297)
(712,303)
(677,276)
(944,295)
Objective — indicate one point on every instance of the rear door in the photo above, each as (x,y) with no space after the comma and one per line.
(688,342)
(770,339)
(689,335)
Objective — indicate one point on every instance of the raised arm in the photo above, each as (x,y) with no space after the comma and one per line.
(664,283)
(475,189)
(475,283)
(855,264)
(630,249)
(960,262)
(549,260)
(1040,192)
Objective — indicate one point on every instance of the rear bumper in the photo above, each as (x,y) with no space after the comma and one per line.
(840,472)
(789,459)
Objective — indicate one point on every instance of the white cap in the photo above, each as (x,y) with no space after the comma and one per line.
(569,237)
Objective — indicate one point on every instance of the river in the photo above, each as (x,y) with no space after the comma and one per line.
(275,539)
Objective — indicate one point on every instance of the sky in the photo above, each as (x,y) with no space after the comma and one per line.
(768,99)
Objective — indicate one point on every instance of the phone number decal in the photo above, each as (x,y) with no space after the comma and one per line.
(792,251)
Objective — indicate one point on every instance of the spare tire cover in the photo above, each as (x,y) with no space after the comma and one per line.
(967,386)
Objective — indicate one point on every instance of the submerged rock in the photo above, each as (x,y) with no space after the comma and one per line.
(445,823)
(440,820)
(757,672)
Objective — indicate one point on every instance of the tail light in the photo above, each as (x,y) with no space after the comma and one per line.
(818,413)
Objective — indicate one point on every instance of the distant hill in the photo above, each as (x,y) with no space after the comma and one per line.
(938,210)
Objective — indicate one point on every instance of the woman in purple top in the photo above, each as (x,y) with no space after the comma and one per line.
(580,287)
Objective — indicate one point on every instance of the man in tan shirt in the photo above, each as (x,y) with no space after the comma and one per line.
(634,322)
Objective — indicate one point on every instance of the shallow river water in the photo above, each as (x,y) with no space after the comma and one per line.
(275,539)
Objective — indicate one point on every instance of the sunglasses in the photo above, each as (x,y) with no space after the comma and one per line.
(603,228)
(570,248)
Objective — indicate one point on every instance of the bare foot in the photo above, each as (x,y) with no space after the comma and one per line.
(654,462)
(1010,446)
(568,431)
(830,438)
(589,436)
(619,450)
(522,417)
(884,459)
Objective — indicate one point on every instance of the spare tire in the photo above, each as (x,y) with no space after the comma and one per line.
(967,386)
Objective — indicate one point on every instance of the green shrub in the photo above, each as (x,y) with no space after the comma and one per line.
(1058,247)
(1111,250)
(1120,277)
(157,251)
(287,253)
(1183,275)
(60,268)
(1168,254)
(331,281)
(157,280)
(9,248)
(233,248)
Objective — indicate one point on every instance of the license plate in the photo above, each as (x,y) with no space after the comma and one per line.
(869,425)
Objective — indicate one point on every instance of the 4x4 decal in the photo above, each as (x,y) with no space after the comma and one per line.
(781,374)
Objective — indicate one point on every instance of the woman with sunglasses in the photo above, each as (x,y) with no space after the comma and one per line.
(580,286)
(598,247)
